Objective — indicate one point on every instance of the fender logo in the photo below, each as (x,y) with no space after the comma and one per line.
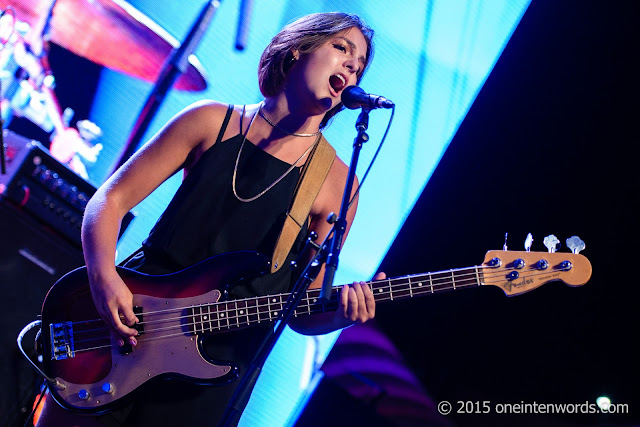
(517,284)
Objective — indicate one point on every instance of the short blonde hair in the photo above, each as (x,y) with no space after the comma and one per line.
(306,35)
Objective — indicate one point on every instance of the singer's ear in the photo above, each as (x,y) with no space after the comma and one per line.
(296,54)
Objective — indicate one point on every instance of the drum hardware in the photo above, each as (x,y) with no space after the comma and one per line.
(30,94)
(133,44)
(125,40)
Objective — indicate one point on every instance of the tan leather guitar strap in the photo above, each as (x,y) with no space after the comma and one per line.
(313,174)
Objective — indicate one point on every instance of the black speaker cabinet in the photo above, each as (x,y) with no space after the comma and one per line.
(32,258)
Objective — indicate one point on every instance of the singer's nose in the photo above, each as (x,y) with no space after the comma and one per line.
(351,64)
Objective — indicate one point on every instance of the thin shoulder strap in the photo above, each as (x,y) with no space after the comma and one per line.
(225,122)
(314,173)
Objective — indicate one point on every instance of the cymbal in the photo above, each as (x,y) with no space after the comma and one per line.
(111,33)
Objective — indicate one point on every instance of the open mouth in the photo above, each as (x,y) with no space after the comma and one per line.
(337,82)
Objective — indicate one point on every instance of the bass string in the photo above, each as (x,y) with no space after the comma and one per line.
(231,322)
(242,305)
(308,299)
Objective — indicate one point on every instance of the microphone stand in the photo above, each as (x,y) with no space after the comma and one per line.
(243,23)
(176,65)
(243,392)
(340,225)
(241,396)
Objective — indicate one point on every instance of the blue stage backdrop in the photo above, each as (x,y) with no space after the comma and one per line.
(431,58)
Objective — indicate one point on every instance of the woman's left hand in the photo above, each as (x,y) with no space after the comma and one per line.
(357,304)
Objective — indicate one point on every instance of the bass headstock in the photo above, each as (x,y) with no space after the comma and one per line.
(517,272)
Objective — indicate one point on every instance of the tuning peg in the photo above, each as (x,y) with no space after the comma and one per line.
(576,244)
(528,242)
(551,242)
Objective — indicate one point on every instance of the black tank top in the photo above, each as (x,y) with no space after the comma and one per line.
(204,218)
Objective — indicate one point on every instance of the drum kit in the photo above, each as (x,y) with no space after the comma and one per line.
(110,33)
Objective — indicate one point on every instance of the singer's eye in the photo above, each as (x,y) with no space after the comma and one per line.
(340,47)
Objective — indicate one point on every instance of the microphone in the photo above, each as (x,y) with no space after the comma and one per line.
(354,97)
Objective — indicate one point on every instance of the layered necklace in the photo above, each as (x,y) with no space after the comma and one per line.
(281,177)
(304,135)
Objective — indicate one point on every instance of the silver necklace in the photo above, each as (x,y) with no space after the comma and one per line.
(244,139)
(304,135)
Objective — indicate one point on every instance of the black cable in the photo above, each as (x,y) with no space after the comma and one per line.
(43,391)
(373,159)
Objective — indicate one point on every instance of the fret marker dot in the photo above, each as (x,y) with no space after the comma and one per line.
(273,300)
(275,313)
(420,284)
(380,290)
(241,311)
(221,314)
(204,317)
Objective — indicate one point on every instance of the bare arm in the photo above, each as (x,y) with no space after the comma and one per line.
(356,301)
(193,129)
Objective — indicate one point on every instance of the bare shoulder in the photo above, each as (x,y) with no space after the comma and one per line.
(196,127)
(207,106)
(330,196)
(204,116)
(338,173)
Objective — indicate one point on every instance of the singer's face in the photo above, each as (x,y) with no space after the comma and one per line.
(322,75)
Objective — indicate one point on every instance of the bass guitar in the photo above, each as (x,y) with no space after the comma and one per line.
(92,373)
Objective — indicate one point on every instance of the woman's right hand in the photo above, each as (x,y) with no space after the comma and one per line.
(192,130)
(114,302)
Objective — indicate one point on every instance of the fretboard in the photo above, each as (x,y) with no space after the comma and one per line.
(233,314)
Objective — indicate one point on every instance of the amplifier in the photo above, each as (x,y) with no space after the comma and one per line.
(46,188)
